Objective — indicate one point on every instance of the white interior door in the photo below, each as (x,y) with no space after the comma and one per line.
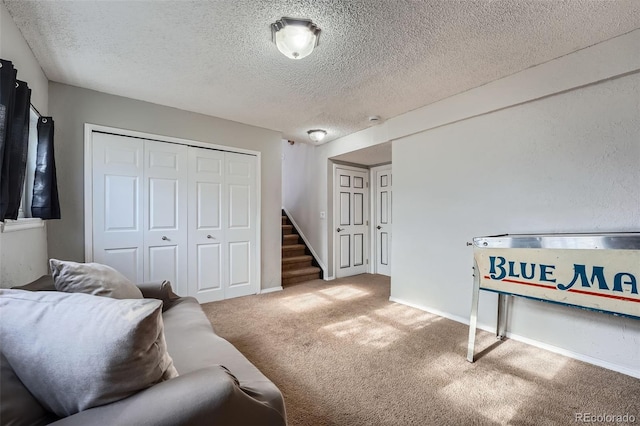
(118,166)
(165,214)
(382,219)
(351,188)
(207,256)
(240,221)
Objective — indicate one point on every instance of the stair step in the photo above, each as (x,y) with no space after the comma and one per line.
(301,272)
(296,262)
(285,220)
(300,275)
(301,279)
(293,250)
(287,229)
(290,239)
(296,259)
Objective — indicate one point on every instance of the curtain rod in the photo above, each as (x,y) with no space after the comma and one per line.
(35,109)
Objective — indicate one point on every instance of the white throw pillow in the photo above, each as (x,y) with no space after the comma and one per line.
(76,351)
(92,278)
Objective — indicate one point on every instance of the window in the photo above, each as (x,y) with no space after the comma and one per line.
(27,193)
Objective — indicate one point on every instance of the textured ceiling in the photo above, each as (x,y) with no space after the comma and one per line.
(382,57)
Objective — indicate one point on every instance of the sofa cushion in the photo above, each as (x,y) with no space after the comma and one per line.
(92,278)
(18,407)
(193,345)
(77,351)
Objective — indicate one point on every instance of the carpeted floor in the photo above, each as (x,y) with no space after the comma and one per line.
(342,354)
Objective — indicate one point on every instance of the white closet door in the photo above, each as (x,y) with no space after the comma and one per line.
(117,203)
(165,214)
(164,211)
(206,234)
(239,218)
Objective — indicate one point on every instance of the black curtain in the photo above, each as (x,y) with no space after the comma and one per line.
(15,101)
(45,202)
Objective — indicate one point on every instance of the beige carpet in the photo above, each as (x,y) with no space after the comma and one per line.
(342,354)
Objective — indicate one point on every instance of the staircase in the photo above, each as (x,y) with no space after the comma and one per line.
(297,262)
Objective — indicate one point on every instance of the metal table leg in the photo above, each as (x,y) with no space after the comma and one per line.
(473,320)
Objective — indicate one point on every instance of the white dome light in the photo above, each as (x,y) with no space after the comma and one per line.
(295,38)
(317,135)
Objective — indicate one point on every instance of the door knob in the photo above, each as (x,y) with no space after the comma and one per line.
(378,227)
(340,229)
(210,237)
(164,238)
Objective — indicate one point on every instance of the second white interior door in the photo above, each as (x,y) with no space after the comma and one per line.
(383,220)
(351,188)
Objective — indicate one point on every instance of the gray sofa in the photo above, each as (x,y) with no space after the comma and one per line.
(216,385)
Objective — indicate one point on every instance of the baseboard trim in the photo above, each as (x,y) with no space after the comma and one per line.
(313,252)
(551,348)
(433,311)
(270,290)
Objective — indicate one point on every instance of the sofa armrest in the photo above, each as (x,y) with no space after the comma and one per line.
(44,283)
(203,397)
(160,290)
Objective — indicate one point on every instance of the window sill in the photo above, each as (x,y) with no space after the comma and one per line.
(21,224)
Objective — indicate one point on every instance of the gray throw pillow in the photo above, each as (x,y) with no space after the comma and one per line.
(76,351)
(92,278)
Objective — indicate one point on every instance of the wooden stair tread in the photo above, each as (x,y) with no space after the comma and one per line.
(303,271)
(296,259)
(293,247)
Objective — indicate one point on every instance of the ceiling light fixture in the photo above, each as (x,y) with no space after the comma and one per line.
(317,135)
(295,38)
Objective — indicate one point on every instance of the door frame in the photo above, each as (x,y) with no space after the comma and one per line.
(374,213)
(90,128)
(335,214)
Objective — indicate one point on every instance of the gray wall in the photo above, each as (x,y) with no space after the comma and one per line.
(72,107)
(566,163)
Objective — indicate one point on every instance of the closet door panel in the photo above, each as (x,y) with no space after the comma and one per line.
(207,256)
(165,214)
(118,167)
(240,219)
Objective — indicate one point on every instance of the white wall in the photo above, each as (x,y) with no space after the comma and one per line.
(567,163)
(72,107)
(23,249)
(560,134)
(14,48)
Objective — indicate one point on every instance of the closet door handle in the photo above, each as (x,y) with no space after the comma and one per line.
(211,237)
(164,238)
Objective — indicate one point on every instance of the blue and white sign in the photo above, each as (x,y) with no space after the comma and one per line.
(602,280)
(596,272)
